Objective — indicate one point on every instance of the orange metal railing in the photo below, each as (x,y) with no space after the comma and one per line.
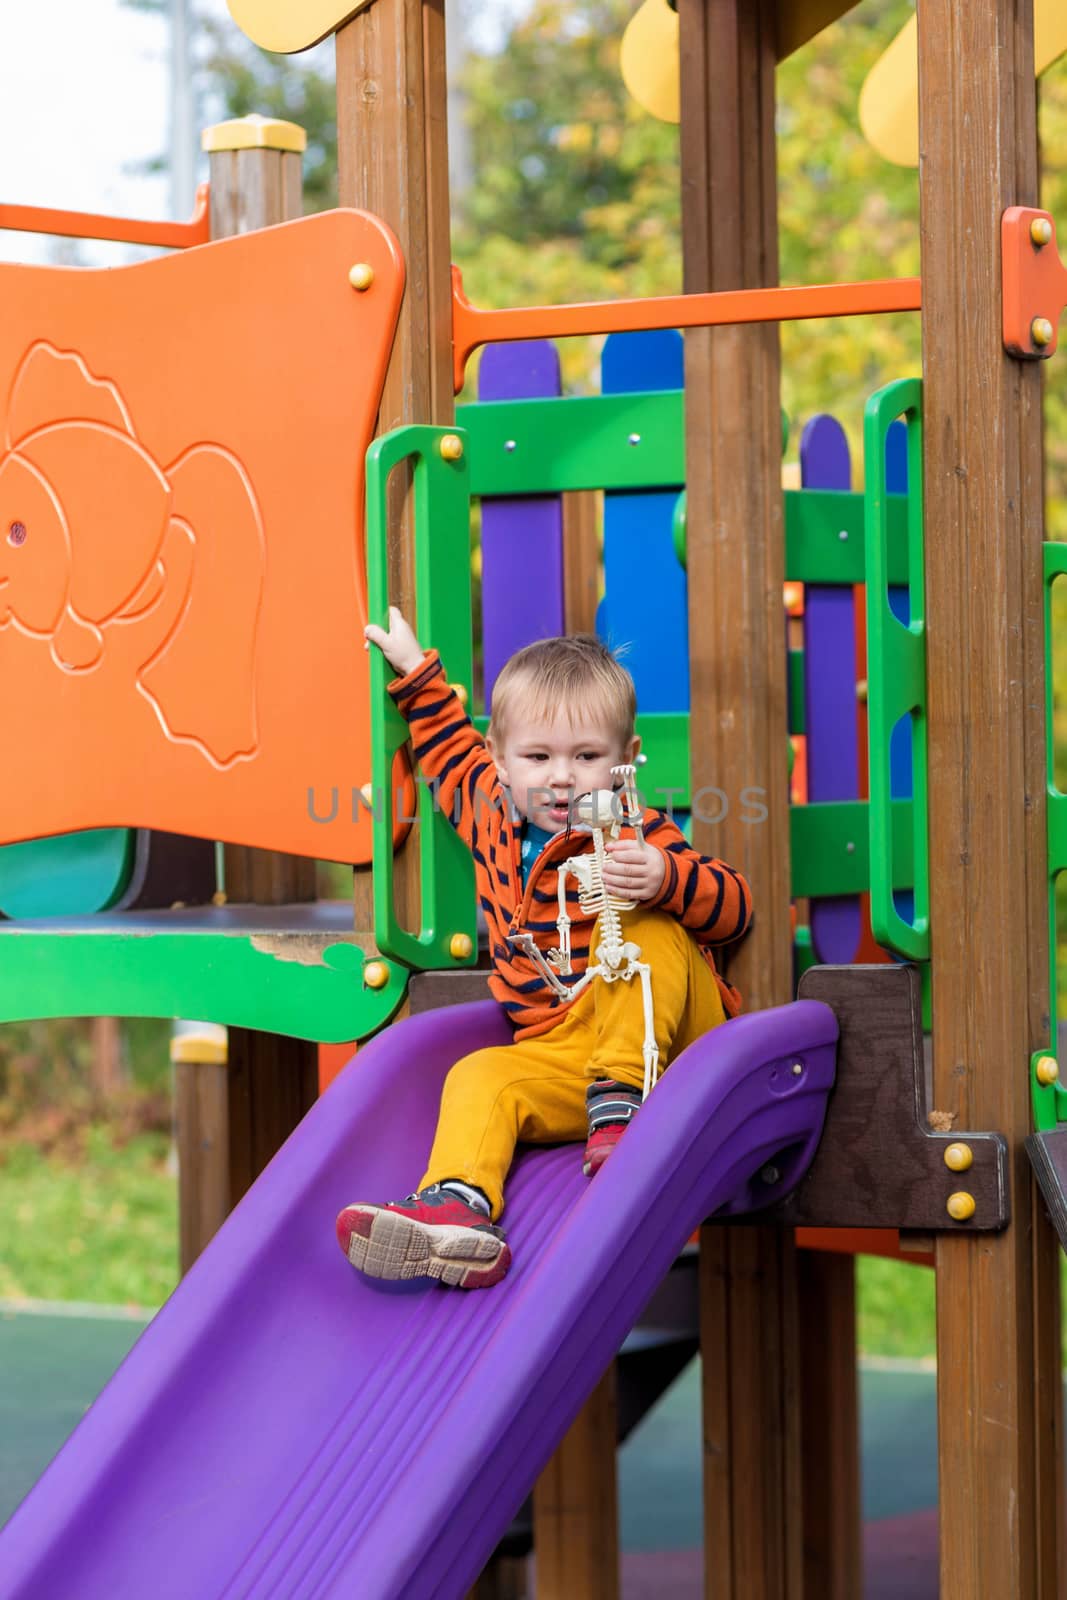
(472,327)
(124,230)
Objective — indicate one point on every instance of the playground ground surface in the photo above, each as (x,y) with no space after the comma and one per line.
(55,1358)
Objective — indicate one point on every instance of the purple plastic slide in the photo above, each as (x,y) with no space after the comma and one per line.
(286,1428)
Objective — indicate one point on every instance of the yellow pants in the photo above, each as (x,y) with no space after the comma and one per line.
(534,1090)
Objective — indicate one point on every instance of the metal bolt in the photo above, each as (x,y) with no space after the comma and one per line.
(850,848)
(797,1069)
(1047,1070)
(635,438)
(1041,231)
(770,1175)
(16,534)
(843,535)
(509,445)
(1042,332)
(958,1157)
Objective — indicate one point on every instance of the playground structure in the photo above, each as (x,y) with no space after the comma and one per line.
(958,527)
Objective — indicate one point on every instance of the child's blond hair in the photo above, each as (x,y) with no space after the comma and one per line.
(577,674)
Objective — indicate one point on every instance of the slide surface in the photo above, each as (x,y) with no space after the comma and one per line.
(286,1428)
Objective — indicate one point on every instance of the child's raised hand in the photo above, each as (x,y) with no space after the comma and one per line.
(398,643)
(633,871)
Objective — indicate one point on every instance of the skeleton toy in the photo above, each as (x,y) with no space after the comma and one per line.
(616,957)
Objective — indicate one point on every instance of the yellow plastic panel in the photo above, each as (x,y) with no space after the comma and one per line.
(889,99)
(648,60)
(287,26)
(182,582)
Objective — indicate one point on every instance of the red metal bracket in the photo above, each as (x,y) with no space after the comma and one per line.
(1034,283)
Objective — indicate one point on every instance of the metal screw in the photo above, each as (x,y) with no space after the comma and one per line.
(509,445)
(843,535)
(850,848)
(797,1069)
(770,1175)
(635,438)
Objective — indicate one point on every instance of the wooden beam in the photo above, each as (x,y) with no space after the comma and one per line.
(581,560)
(999,1396)
(392,153)
(575,1515)
(271,1081)
(739,741)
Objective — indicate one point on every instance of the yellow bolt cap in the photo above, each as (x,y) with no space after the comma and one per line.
(460,946)
(361,276)
(861,691)
(452,447)
(460,692)
(958,1157)
(1041,331)
(376,974)
(1041,231)
(960,1206)
(1047,1070)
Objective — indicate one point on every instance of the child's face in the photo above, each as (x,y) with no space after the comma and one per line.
(547,764)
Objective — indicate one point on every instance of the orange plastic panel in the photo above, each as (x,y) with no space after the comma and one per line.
(182,586)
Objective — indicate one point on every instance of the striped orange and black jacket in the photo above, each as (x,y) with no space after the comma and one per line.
(707,896)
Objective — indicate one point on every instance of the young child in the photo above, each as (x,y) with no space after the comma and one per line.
(563,713)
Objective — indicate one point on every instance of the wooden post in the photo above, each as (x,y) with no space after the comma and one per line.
(581,560)
(750,1335)
(576,1538)
(255,169)
(392,155)
(999,1396)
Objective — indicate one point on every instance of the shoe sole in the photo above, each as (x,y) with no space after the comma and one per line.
(384,1244)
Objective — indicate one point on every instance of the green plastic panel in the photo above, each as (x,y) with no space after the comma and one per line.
(896,672)
(1050,1100)
(636,441)
(824,540)
(797,722)
(72,875)
(443,613)
(830,847)
(240,981)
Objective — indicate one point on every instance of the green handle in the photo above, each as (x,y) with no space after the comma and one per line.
(441,489)
(896,669)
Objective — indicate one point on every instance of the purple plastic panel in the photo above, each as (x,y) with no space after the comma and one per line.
(522,538)
(286,1427)
(830,689)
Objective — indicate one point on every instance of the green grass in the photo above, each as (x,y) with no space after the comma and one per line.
(104,1230)
(894,1308)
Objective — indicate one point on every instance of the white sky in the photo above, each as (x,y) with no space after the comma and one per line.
(83,98)
(83,102)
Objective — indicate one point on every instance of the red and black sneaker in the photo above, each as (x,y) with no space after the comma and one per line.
(432,1234)
(600,1144)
